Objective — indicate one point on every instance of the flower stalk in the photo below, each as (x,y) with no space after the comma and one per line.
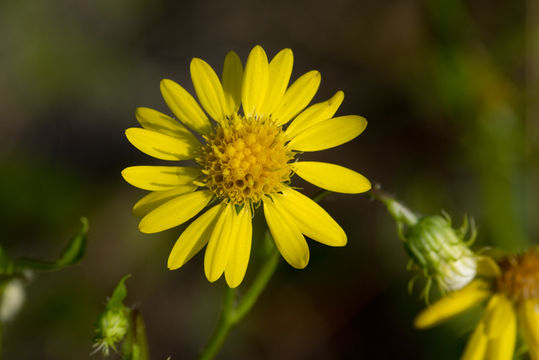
(233,312)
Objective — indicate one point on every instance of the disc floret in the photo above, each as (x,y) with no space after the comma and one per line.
(519,278)
(245,159)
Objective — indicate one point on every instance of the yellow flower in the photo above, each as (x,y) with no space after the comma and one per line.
(244,159)
(513,300)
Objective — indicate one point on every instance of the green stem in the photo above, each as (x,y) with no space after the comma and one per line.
(399,212)
(231,314)
(223,327)
(320,195)
(257,287)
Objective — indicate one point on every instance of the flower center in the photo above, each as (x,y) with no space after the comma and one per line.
(245,159)
(520,276)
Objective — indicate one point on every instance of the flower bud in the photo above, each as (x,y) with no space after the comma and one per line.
(113,324)
(436,249)
(111,328)
(441,252)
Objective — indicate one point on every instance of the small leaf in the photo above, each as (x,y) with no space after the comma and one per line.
(72,253)
(119,294)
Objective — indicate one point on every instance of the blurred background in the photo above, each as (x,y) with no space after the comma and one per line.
(450,92)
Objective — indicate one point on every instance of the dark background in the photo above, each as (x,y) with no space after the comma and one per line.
(450,92)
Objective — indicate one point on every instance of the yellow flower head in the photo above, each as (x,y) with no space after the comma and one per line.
(241,159)
(513,300)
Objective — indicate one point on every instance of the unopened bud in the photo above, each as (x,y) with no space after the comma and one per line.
(441,252)
(113,324)
(436,249)
(112,327)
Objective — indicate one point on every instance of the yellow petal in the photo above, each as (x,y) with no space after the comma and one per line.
(255,81)
(161,146)
(498,313)
(502,346)
(157,198)
(175,212)
(453,304)
(155,178)
(241,248)
(194,238)
(280,69)
(219,244)
(331,177)
(287,236)
(297,97)
(310,218)
(209,89)
(314,114)
(154,120)
(477,344)
(185,107)
(529,319)
(329,133)
(231,79)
